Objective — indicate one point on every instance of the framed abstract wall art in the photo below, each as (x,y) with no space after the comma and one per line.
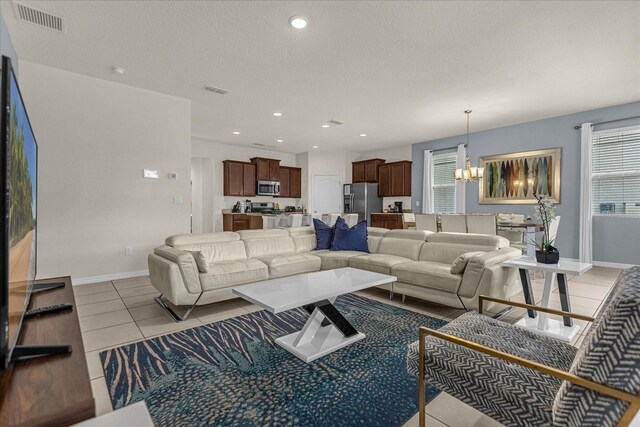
(514,178)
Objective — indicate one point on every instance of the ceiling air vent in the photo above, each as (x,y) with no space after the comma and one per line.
(38,17)
(217,90)
(336,122)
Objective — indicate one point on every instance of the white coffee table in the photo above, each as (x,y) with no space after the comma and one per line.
(326,330)
(564,330)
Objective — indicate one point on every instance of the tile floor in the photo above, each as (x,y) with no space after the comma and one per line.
(123,311)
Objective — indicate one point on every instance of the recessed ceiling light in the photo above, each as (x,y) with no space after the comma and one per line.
(118,70)
(236,133)
(325,126)
(277,114)
(298,22)
(315,146)
(279,140)
(363,134)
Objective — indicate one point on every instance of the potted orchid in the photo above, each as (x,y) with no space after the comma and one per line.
(546,253)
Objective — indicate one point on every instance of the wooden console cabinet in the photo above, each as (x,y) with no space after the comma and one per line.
(238,221)
(365,170)
(239,178)
(386,220)
(54,390)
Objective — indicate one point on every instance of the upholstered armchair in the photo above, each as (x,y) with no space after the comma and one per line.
(521,378)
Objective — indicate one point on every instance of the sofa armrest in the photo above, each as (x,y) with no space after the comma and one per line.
(186,265)
(483,270)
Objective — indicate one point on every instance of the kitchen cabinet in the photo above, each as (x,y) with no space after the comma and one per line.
(239,221)
(285,187)
(395,179)
(386,220)
(266,169)
(295,182)
(384,185)
(239,178)
(290,182)
(365,170)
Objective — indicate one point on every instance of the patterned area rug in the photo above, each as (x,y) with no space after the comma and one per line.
(232,372)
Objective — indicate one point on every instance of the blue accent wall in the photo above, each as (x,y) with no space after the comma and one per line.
(6,47)
(540,134)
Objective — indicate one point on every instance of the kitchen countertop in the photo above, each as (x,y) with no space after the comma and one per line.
(261,214)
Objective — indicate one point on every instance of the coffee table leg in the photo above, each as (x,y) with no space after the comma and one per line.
(565,304)
(527,291)
(336,318)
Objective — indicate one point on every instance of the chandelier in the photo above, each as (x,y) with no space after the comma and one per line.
(468,174)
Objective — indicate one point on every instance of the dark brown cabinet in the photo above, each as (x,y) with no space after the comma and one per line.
(295,182)
(285,182)
(236,222)
(390,221)
(266,169)
(239,178)
(384,184)
(290,182)
(395,179)
(365,170)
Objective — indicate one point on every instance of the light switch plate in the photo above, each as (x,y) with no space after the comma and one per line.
(173,176)
(178,200)
(148,173)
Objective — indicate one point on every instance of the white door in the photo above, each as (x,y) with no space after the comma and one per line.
(326,194)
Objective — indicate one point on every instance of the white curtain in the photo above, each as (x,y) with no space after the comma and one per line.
(461,163)
(586,166)
(427,183)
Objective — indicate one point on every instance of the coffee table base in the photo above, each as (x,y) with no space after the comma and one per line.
(327,340)
(555,328)
(326,331)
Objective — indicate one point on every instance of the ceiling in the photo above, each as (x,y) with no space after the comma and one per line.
(401,72)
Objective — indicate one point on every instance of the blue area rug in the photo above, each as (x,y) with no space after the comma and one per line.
(232,372)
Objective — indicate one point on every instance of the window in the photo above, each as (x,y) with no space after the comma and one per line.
(444,183)
(616,172)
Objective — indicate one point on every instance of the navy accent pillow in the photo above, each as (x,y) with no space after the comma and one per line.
(324,234)
(350,239)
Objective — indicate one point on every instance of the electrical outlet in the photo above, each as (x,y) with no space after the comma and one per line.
(417,203)
(128,251)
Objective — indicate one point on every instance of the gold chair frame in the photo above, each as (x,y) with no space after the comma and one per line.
(627,417)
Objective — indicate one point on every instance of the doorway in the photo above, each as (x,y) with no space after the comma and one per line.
(327,191)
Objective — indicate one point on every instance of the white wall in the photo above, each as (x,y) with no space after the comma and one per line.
(391,155)
(95,137)
(212,154)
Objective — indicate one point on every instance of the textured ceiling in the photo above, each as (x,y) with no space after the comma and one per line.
(401,72)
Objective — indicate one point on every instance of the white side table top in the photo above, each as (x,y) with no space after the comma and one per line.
(285,293)
(564,266)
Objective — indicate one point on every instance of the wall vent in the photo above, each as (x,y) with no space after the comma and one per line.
(38,17)
(215,89)
(336,122)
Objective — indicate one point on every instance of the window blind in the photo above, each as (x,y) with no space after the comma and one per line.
(616,172)
(444,183)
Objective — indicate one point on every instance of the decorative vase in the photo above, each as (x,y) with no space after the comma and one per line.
(551,256)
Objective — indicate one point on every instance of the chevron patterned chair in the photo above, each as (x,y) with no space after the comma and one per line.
(520,378)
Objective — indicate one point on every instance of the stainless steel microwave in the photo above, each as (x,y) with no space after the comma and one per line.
(268,188)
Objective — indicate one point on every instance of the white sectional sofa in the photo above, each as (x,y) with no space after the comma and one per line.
(421,260)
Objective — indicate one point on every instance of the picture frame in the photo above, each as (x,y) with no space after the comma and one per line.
(512,178)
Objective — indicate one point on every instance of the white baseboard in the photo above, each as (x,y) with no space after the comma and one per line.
(612,265)
(108,277)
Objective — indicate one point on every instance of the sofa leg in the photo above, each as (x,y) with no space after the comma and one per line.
(403,295)
(391,292)
(172,313)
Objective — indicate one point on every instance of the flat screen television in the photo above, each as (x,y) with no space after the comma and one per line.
(18,204)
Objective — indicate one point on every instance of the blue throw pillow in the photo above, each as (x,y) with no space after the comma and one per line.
(324,233)
(350,239)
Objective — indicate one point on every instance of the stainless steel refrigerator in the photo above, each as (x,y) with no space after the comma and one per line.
(362,198)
